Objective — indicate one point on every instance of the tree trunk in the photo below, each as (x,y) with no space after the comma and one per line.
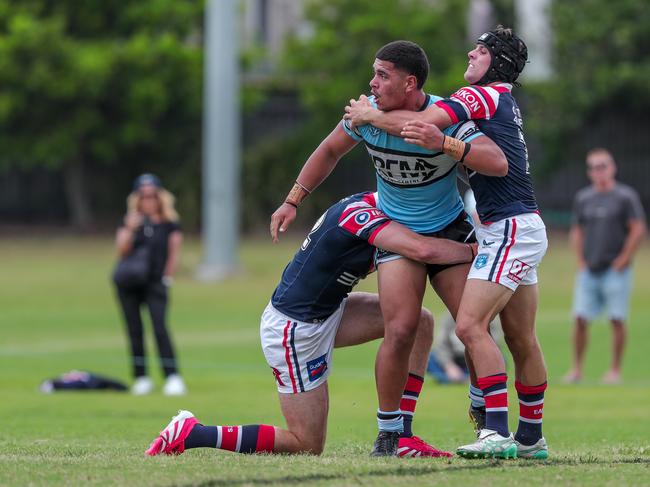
(76,195)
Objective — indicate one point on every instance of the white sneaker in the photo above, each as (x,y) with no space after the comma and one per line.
(538,451)
(489,444)
(141,386)
(174,386)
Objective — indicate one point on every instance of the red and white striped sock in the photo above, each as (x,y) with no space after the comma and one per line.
(495,391)
(252,438)
(531,408)
(409,401)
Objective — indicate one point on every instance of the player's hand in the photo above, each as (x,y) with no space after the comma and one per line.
(281,219)
(423,134)
(359,112)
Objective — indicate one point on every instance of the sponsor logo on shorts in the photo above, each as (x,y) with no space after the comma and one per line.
(316,368)
(518,270)
(487,244)
(480,261)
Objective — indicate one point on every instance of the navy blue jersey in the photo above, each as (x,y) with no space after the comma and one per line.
(497,115)
(334,257)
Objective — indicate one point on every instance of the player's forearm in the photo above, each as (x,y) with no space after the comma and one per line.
(443,251)
(318,167)
(397,238)
(485,157)
(320,164)
(394,120)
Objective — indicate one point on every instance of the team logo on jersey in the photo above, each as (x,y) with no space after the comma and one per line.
(518,270)
(362,217)
(316,368)
(374,131)
(480,261)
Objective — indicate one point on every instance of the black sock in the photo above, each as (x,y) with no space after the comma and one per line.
(201,437)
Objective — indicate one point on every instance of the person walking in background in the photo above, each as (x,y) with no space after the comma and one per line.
(152,222)
(608,226)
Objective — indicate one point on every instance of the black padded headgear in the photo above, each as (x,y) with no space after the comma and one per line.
(509,56)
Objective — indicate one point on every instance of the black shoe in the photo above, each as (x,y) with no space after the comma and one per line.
(386,444)
(477,418)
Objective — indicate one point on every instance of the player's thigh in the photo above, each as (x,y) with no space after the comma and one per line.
(518,315)
(306,415)
(481,302)
(449,284)
(401,285)
(361,322)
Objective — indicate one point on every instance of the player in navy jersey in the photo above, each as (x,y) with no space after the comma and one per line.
(416,188)
(312,310)
(512,242)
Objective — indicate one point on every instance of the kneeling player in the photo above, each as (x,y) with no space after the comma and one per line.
(310,313)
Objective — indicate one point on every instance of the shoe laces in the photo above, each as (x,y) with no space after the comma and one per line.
(386,439)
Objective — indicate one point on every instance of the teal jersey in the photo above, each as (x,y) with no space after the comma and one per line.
(416,187)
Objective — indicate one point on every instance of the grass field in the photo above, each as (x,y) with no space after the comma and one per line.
(57,313)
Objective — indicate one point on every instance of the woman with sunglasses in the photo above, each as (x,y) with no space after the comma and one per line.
(151,221)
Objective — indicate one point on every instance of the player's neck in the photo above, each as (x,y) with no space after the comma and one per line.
(414,103)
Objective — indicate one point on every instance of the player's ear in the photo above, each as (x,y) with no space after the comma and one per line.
(411,83)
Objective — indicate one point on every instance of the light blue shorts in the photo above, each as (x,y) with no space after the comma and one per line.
(595,292)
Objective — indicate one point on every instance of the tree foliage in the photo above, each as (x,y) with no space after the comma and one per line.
(89,84)
(601,63)
(335,64)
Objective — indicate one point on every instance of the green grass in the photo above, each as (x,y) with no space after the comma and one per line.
(57,312)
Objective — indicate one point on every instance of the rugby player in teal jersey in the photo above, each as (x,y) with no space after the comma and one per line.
(417,187)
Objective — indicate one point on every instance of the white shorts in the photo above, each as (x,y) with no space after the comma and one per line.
(510,250)
(299,353)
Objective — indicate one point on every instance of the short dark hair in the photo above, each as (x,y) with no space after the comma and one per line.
(406,56)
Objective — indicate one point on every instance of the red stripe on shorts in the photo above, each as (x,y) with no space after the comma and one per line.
(287,356)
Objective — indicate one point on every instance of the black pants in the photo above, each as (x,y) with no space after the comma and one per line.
(154,295)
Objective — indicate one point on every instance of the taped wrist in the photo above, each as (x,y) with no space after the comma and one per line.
(297,194)
(455,148)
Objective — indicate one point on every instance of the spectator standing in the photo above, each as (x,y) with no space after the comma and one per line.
(151,221)
(608,226)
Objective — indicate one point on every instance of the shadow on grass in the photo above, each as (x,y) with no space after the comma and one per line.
(421,470)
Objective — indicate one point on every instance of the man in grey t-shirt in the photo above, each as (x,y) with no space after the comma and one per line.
(608,226)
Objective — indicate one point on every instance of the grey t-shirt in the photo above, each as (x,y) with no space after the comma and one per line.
(604,218)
